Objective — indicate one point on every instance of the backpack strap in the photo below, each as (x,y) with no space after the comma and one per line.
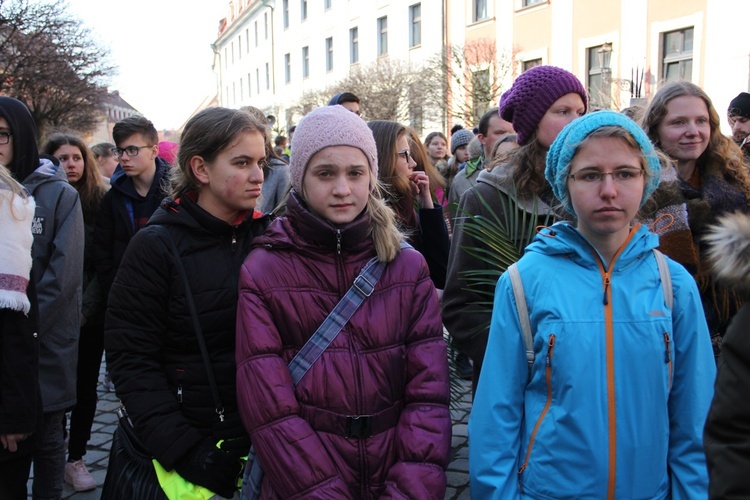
(665,276)
(523,312)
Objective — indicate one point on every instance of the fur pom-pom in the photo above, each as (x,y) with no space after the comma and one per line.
(729,249)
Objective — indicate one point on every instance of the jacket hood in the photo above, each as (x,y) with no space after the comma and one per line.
(729,249)
(118,181)
(301,228)
(501,178)
(45,172)
(565,240)
(23,128)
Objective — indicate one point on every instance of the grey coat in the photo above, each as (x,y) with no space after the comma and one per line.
(275,185)
(466,321)
(58,272)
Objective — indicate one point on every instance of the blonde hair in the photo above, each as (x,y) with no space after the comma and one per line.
(16,189)
(722,153)
(386,237)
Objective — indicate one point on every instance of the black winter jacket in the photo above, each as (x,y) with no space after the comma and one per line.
(115,226)
(151,344)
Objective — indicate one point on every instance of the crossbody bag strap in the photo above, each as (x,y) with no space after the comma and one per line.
(336,319)
(196,323)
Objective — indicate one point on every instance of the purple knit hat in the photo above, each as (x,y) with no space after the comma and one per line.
(329,126)
(533,93)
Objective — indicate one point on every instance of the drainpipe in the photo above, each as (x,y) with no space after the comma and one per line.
(267,3)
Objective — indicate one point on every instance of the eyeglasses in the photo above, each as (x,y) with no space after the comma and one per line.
(5,137)
(130,150)
(406,154)
(622,176)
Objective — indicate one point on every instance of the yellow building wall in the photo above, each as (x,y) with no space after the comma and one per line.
(532,30)
(592,18)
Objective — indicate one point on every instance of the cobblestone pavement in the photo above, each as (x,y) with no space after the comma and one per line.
(105,422)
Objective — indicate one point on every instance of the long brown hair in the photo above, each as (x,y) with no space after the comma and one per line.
(528,163)
(387,134)
(91,186)
(721,154)
(423,160)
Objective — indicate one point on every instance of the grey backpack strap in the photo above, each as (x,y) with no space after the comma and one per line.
(666,277)
(523,312)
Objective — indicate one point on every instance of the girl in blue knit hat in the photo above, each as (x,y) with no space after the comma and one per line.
(609,396)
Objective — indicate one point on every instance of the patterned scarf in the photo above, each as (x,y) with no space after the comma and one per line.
(16,216)
(680,214)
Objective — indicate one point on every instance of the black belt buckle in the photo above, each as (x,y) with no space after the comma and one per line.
(359,426)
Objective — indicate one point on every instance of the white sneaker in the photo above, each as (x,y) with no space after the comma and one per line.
(78,476)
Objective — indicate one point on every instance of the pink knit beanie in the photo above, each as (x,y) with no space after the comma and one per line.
(329,126)
(533,93)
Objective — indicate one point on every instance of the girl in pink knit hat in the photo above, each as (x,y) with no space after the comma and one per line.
(370,417)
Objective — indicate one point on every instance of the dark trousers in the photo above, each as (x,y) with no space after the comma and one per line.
(14,473)
(90,349)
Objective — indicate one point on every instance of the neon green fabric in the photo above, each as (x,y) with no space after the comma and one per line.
(177,488)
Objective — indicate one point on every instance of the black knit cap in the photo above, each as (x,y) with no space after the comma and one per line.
(740,105)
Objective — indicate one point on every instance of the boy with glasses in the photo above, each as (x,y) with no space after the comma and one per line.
(137,190)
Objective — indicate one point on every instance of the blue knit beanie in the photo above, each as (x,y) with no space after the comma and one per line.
(564,148)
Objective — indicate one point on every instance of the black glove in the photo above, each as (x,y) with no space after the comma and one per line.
(208,466)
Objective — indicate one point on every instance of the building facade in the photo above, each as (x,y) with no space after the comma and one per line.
(270,53)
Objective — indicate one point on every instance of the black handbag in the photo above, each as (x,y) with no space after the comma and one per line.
(130,472)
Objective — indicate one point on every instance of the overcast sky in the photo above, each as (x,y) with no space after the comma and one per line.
(162,49)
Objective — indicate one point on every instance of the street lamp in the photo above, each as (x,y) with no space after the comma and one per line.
(605,57)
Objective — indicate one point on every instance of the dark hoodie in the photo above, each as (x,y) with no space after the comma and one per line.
(58,257)
(123,212)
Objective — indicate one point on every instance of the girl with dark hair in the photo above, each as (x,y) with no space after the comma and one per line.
(539,104)
(707,179)
(58,271)
(154,355)
(406,188)
(83,174)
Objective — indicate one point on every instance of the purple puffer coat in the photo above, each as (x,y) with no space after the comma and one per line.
(388,361)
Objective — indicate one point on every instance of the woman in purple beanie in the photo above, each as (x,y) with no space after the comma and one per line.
(370,417)
(539,104)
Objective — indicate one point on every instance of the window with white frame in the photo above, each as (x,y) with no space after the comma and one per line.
(415,24)
(232,50)
(287,67)
(256,34)
(383,36)
(239,48)
(285,13)
(257,80)
(268,77)
(529,3)
(303,9)
(247,40)
(677,50)
(354,45)
(595,77)
(249,86)
(242,90)
(326,4)
(265,25)
(305,61)
(329,54)
(480,91)
(480,11)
